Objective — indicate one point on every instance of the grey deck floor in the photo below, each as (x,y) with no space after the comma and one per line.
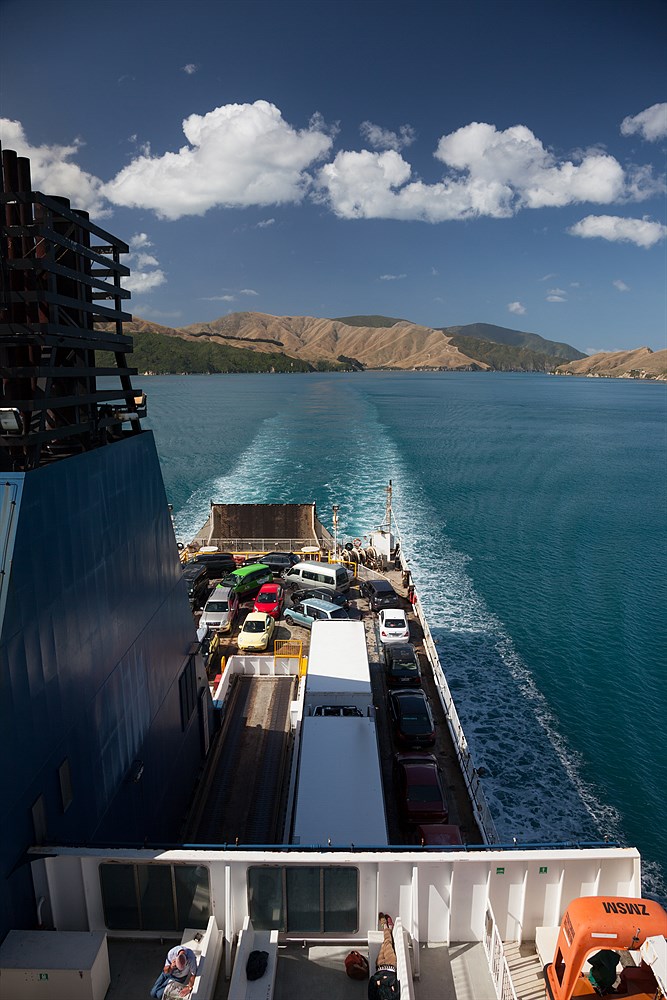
(312,972)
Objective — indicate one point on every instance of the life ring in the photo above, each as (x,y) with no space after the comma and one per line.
(357,543)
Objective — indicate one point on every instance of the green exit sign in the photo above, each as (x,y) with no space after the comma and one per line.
(500,871)
(43,975)
(543,870)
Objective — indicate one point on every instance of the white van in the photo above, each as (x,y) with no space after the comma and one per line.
(220,610)
(330,576)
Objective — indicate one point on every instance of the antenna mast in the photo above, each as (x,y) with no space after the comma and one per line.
(387,513)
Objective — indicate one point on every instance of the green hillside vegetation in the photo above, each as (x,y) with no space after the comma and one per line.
(503,358)
(513,338)
(374,321)
(164,355)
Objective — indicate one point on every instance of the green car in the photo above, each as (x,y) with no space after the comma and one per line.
(247,580)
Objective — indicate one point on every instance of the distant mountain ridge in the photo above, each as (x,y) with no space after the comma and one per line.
(350,342)
(403,345)
(515,338)
(641,363)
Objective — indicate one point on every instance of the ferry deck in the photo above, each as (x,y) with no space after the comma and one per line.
(477,922)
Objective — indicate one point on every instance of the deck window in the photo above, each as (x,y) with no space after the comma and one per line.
(154,897)
(304,899)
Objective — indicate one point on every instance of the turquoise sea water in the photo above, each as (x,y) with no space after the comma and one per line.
(532,509)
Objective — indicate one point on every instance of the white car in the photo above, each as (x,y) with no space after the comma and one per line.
(393,625)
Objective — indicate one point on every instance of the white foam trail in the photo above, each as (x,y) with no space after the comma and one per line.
(535,788)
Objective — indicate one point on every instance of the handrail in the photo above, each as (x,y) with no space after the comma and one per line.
(480,806)
(495,956)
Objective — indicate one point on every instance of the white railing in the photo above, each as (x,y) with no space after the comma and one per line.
(470,776)
(495,956)
(480,806)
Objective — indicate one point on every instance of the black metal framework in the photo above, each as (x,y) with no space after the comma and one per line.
(60,302)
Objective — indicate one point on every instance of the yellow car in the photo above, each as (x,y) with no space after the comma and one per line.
(256,632)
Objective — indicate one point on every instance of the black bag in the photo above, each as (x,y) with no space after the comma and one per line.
(384,985)
(256,964)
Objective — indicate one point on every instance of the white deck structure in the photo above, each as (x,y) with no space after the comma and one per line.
(465,912)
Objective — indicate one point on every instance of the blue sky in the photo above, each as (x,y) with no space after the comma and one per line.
(447,163)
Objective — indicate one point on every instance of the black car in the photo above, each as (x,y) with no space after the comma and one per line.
(215,563)
(197,582)
(402,664)
(380,594)
(413,721)
(322,595)
(277,562)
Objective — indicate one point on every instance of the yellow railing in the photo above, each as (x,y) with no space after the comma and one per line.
(291,648)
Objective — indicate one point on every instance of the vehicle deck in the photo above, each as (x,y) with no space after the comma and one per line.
(240,799)
(252,793)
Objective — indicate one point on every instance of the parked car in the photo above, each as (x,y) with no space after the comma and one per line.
(256,631)
(279,562)
(220,610)
(197,582)
(216,563)
(412,718)
(439,835)
(393,625)
(380,594)
(246,581)
(325,576)
(402,664)
(418,781)
(312,610)
(340,600)
(270,600)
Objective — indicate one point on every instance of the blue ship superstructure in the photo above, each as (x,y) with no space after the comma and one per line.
(105,709)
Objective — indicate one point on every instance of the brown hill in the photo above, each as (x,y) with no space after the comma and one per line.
(640,363)
(403,345)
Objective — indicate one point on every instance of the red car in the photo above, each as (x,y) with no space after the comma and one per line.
(418,782)
(270,600)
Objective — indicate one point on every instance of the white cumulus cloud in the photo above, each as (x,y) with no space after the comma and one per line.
(642,232)
(516,307)
(621,285)
(516,160)
(555,297)
(488,172)
(382,138)
(236,155)
(392,277)
(145,281)
(190,68)
(651,124)
(146,273)
(52,171)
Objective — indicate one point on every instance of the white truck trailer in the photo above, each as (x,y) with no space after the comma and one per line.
(338,681)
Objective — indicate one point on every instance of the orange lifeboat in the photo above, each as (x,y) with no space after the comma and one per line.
(595,924)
